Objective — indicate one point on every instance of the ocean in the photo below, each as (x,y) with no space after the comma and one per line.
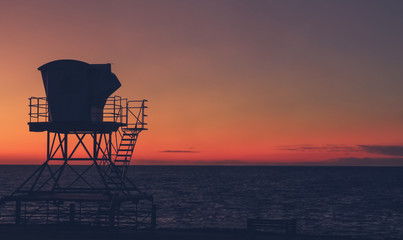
(353,201)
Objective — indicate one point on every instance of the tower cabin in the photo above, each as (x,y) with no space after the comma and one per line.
(76,93)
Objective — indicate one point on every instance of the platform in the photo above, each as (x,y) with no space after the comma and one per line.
(68,127)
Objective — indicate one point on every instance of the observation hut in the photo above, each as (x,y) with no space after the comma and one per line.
(90,141)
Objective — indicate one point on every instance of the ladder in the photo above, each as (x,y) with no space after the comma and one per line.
(125,151)
(131,115)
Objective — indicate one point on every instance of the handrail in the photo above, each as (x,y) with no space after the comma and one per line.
(38,109)
(129,113)
(135,114)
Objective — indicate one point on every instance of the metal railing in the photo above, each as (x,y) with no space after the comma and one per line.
(38,109)
(117,109)
(114,110)
(135,114)
(75,212)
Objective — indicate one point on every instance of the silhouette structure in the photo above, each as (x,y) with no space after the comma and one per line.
(90,140)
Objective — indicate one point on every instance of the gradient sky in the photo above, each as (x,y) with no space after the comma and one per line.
(228,82)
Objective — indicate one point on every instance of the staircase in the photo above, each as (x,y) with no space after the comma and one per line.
(125,150)
(131,115)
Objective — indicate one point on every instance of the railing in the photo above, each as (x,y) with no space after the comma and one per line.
(73,212)
(114,110)
(38,109)
(117,109)
(135,114)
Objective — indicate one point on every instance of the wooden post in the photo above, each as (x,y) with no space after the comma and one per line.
(112,215)
(17,212)
(72,213)
(153,216)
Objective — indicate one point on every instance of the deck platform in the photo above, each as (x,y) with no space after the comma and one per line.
(100,127)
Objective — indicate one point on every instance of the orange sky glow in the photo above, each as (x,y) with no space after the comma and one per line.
(228,82)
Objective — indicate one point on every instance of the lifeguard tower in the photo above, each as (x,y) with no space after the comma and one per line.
(90,141)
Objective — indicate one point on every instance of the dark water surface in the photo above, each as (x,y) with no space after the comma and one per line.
(362,201)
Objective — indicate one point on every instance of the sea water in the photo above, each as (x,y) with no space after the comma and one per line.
(354,201)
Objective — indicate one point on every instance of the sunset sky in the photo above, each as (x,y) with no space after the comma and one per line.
(228,82)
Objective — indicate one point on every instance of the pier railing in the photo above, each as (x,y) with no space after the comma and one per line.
(72,212)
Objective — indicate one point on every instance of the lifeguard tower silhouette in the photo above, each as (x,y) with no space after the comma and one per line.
(90,140)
